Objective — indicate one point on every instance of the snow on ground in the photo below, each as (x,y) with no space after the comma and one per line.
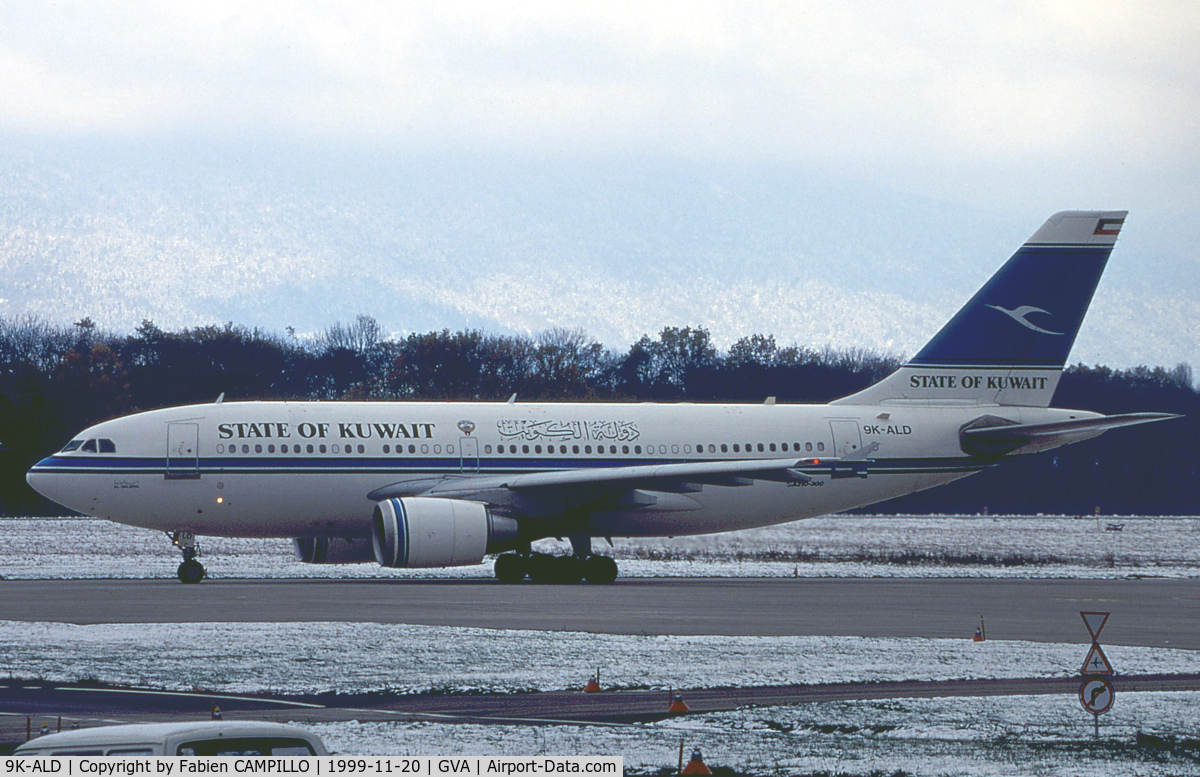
(1016,735)
(837,546)
(316,657)
(987,736)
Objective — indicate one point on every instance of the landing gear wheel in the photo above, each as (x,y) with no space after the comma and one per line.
(599,570)
(191,572)
(511,568)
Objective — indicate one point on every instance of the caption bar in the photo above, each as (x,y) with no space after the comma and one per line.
(172,766)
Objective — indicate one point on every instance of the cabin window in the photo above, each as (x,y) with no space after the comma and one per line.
(808,446)
(336,449)
(73,445)
(687,449)
(270,449)
(587,449)
(624,449)
(760,447)
(749,447)
(737,448)
(220,448)
(310,447)
(424,449)
(537,449)
(487,449)
(637,449)
(437,449)
(724,448)
(387,448)
(107,446)
(782,445)
(712,448)
(258,448)
(321,447)
(412,449)
(612,449)
(89,446)
(524,449)
(675,449)
(820,446)
(574,449)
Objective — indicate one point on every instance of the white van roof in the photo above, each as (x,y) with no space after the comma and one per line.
(145,733)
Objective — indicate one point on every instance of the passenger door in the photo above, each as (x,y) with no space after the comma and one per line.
(183,451)
(468,449)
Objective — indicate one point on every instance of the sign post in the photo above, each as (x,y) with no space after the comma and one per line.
(1096,693)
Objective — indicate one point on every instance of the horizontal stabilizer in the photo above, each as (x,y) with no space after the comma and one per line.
(984,440)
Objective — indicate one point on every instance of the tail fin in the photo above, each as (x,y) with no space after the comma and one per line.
(1008,344)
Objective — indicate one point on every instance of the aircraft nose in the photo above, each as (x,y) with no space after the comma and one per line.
(39,478)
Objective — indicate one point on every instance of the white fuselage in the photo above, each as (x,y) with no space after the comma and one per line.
(305,469)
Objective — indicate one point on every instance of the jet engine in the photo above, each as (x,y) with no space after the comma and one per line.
(333,550)
(417,531)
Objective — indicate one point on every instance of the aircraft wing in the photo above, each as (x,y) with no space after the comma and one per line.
(661,487)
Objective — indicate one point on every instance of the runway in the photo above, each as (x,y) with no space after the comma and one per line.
(1147,612)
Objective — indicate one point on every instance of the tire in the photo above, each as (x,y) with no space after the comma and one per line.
(600,570)
(191,572)
(510,568)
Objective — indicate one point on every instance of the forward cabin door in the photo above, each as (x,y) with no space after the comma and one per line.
(468,449)
(183,451)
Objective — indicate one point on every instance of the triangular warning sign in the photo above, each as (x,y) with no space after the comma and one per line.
(1096,662)
(1095,623)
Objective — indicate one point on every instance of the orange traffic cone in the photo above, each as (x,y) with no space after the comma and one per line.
(678,706)
(593,683)
(696,765)
(980,633)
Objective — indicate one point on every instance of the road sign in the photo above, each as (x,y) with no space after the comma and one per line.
(1096,694)
(1095,623)
(1096,662)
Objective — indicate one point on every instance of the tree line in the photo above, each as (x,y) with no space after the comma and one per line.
(56,380)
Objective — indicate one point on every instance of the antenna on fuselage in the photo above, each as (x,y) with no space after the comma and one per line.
(220,399)
(769,401)
(513,399)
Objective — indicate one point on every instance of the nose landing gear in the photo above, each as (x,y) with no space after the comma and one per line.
(190,571)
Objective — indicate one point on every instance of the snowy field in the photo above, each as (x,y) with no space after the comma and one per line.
(1013,735)
(845,546)
(993,736)
(1004,736)
(318,657)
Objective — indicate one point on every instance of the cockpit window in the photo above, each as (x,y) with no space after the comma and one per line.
(73,445)
(89,446)
(107,446)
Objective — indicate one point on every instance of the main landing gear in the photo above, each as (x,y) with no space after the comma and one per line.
(190,571)
(546,568)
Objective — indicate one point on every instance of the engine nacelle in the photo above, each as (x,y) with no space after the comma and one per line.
(417,531)
(333,550)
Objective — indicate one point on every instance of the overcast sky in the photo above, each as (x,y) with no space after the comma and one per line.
(1017,110)
(1083,100)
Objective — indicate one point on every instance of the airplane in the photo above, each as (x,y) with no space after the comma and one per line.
(436,484)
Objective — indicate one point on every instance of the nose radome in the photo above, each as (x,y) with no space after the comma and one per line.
(39,479)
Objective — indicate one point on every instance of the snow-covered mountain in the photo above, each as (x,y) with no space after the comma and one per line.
(279,237)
